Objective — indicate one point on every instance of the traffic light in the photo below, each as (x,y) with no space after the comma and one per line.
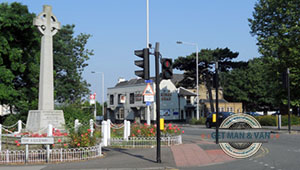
(167,68)
(144,74)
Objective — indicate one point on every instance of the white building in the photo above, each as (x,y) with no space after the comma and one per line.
(126,101)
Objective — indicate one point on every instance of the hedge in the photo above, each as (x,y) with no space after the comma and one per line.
(271,120)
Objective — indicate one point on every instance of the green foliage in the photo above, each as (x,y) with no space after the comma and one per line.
(271,120)
(201,121)
(82,138)
(20,57)
(70,56)
(251,85)
(275,24)
(207,59)
(74,111)
(266,120)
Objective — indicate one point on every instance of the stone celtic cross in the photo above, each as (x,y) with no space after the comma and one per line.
(48,26)
(39,120)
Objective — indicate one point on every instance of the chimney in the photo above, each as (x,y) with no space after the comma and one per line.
(121,79)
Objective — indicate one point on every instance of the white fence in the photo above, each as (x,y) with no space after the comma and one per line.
(144,142)
(55,155)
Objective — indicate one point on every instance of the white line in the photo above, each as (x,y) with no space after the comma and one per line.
(261,163)
(266,165)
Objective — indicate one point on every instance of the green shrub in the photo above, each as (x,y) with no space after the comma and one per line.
(266,120)
(201,121)
(74,111)
(271,120)
(295,120)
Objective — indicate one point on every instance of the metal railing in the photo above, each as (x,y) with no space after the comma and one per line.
(55,155)
(144,142)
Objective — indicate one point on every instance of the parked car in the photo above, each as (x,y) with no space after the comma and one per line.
(253,114)
(222,116)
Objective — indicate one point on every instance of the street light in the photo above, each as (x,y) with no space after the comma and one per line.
(197,76)
(102,90)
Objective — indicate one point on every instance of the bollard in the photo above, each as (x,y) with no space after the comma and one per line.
(92,126)
(279,121)
(125,130)
(0,137)
(104,133)
(50,127)
(108,131)
(19,126)
(76,125)
(128,129)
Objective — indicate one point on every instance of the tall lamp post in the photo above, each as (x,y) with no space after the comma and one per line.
(197,74)
(102,90)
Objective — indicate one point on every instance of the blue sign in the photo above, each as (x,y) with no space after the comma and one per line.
(148,81)
(148,103)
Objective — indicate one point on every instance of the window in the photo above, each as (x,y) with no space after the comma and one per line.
(188,100)
(121,113)
(229,109)
(131,98)
(111,99)
(119,98)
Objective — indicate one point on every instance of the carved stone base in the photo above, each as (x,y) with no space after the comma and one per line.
(38,120)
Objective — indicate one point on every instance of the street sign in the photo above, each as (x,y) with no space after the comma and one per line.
(92,98)
(33,140)
(148,93)
(148,90)
(148,98)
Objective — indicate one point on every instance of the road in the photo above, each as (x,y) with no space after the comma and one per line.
(280,153)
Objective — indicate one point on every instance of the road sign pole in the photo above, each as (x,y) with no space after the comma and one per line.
(157,82)
(217,104)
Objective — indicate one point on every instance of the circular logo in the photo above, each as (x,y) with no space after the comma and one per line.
(239,149)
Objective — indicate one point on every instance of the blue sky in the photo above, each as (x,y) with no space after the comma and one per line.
(118,27)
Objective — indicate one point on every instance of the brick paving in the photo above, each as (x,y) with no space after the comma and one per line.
(187,155)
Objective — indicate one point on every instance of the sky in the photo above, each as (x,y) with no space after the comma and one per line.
(118,27)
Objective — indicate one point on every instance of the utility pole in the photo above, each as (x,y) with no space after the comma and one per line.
(157,93)
(217,103)
(289,97)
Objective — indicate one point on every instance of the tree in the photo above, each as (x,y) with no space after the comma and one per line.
(251,86)
(70,56)
(207,59)
(275,23)
(20,60)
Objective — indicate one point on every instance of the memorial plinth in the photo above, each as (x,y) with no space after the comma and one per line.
(38,120)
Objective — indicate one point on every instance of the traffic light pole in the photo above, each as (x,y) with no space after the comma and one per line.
(217,104)
(157,82)
(289,98)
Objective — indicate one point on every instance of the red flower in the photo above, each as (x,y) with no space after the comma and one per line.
(65,144)
(183,131)
(16,141)
(139,131)
(170,125)
(89,130)
(86,134)
(78,144)
(53,145)
(59,140)
(81,135)
(18,144)
(133,135)
(65,134)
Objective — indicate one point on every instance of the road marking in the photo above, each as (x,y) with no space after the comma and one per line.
(272,167)
(261,163)
(266,165)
